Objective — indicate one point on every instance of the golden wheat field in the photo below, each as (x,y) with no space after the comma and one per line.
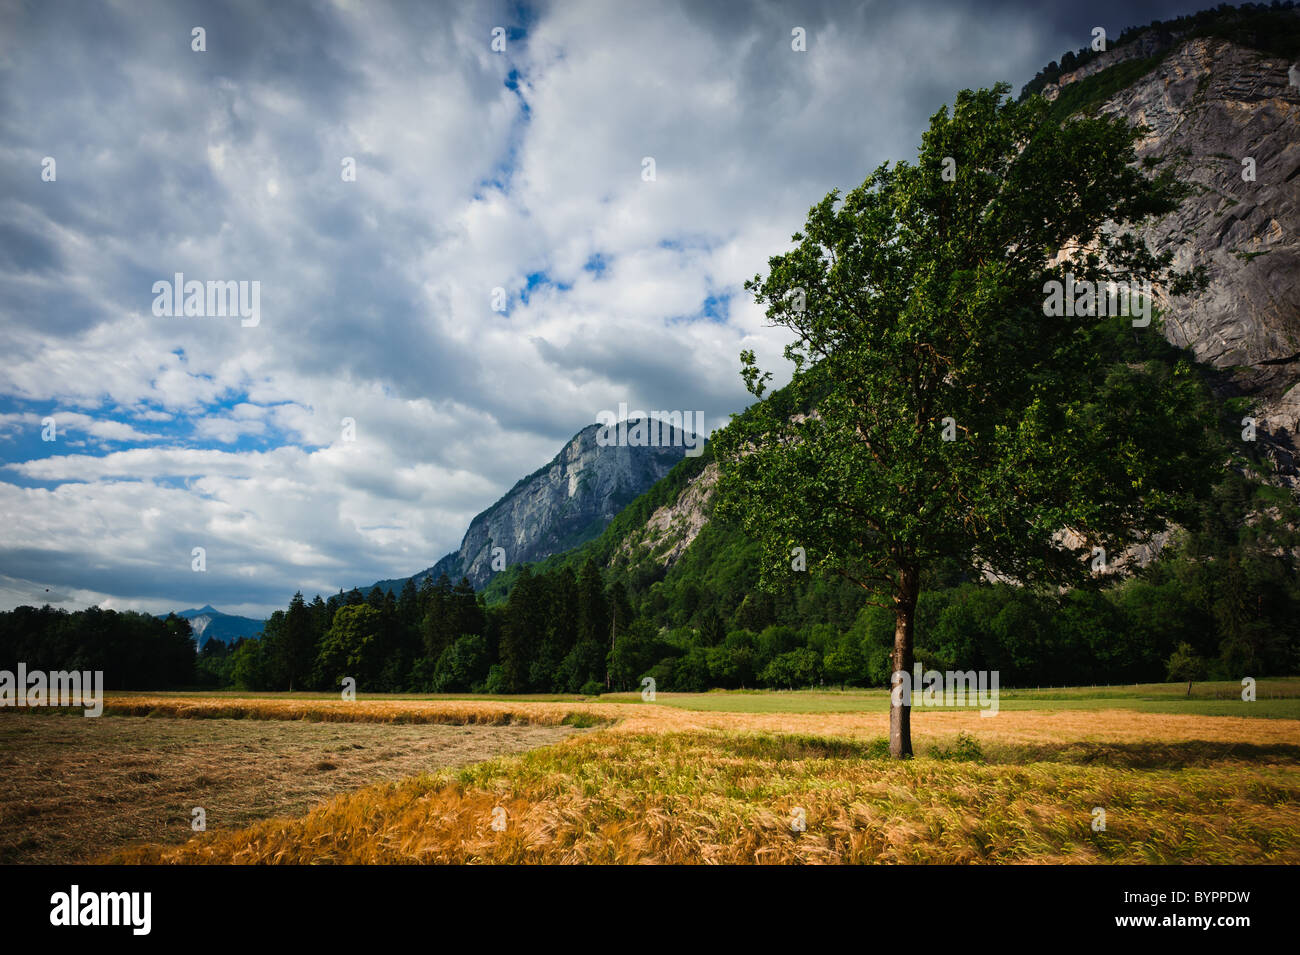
(659,784)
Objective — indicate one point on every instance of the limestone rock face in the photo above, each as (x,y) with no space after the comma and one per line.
(567,502)
(1210,105)
(672,528)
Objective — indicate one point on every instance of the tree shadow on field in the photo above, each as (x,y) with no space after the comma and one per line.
(779,747)
(1152,755)
(789,746)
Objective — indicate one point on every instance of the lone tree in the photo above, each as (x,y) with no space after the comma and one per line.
(1185,664)
(935,412)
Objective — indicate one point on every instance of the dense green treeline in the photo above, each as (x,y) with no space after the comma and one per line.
(135,651)
(554,633)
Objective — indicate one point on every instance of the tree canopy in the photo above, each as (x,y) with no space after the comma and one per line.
(936,413)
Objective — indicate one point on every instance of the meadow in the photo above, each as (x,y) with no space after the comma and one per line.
(1082,775)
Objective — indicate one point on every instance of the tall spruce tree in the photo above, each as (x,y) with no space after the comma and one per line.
(297,646)
(522,630)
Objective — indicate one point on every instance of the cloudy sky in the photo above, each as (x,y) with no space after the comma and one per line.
(477,169)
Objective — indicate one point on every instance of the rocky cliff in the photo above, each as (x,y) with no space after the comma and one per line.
(1226,118)
(561,505)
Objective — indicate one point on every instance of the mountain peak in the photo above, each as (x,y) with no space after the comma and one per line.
(572,498)
(209,623)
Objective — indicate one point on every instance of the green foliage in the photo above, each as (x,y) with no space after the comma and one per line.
(351,647)
(496,680)
(582,720)
(635,651)
(249,668)
(964,749)
(290,643)
(214,665)
(462,666)
(794,669)
(134,651)
(1184,664)
(1091,92)
(916,303)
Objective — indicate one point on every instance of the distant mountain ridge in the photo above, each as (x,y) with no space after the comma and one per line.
(209,623)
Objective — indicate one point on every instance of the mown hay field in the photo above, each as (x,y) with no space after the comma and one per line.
(657,783)
(75,788)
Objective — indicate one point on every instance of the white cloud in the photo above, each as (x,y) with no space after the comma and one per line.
(376,293)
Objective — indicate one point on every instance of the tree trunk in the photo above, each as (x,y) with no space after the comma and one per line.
(900,710)
(609,677)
